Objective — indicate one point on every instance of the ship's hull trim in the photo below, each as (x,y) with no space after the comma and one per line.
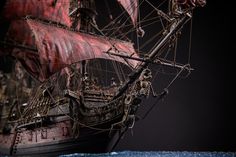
(56,141)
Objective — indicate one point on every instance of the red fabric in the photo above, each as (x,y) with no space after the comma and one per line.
(191,3)
(19,32)
(131,6)
(44,9)
(58,47)
(30,61)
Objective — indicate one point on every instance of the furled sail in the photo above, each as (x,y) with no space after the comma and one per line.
(57,47)
(131,6)
(51,10)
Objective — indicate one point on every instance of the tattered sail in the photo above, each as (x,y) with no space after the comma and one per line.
(58,47)
(14,10)
(44,49)
(51,10)
(131,6)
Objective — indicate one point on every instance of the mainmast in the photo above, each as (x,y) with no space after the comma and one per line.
(84,22)
(87,11)
(84,14)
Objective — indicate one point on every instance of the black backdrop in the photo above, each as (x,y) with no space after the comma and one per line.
(199,112)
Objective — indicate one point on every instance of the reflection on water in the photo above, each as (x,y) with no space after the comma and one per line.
(156,154)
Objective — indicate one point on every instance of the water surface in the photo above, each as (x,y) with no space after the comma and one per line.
(156,154)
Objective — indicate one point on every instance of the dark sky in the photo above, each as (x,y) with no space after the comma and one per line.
(199,112)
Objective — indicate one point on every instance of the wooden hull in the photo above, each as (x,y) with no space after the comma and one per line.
(57,139)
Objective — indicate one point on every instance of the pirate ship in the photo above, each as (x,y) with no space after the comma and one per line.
(74,84)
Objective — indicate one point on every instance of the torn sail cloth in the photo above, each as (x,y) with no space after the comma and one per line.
(50,10)
(53,48)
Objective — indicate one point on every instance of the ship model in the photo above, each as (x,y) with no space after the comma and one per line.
(70,84)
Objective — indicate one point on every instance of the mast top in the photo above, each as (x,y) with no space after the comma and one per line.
(86,15)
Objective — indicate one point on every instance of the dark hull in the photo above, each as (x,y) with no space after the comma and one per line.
(75,127)
(58,142)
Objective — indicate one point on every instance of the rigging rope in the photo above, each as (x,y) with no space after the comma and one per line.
(116,70)
(116,19)
(127,19)
(160,97)
(183,68)
(190,41)
(133,29)
(163,94)
(144,26)
(175,51)
(128,25)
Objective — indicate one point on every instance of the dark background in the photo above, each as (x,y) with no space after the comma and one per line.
(199,112)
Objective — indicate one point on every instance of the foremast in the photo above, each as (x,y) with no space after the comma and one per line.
(84,14)
(152,57)
(180,12)
(138,84)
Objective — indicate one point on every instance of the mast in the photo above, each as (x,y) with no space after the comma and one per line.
(175,27)
(85,20)
(87,11)
(182,10)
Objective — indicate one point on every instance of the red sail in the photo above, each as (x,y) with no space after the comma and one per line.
(57,11)
(58,47)
(131,6)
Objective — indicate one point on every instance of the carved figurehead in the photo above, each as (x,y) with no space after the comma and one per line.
(145,82)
